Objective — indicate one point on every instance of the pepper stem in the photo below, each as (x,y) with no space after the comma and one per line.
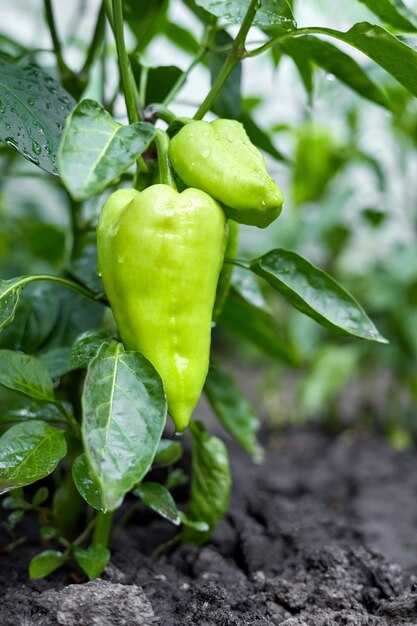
(165,172)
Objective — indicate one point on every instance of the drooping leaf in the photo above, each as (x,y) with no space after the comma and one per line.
(159,81)
(92,560)
(86,483)
(158,498)
(33,110)
(233,410)
(95,150)
(260,138)
(334,61)
(45,563)
(210,482)
(182,38)
(124,413)
(394,56)
(393,12)
(275,13)
(29,451)
(243,319)
(25,374)
(315,293)
(247,286)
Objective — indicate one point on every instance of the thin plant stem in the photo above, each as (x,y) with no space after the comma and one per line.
(236,54)
(102,529)
(124,64)
(208,33)
(54,36)
(308,30)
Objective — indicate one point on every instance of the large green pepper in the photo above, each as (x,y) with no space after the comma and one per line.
(219,158)
(160,253)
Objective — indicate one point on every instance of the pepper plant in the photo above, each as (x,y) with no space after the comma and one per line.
(85,393)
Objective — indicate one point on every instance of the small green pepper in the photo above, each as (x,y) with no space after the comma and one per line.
(160,253)
(219,158)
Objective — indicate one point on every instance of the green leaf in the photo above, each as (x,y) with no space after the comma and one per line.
(86,483)
(200,527)
(260,138)
(210,482)
(86,347)
(92,560)
(233,410)
(41,495)
(33,110)
(160,80)
(182,38)
(25,374)
(388,51)
(145,19)
(176,478)
(95,150)
(28,452)
(168,453)
(275,13)
(227,103)
(124,414)
(258,327)
(393,12)
(331,370)
(247,286)
(315,293)
(57,361)
(333,60)
(45,563)
(9,299)
(158,498)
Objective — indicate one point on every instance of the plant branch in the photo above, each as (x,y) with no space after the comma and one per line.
(125,69)
(234,57)
(182,79)
(62,281)
(62,66)
(296,32)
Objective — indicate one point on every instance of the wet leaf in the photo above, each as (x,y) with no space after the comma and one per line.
(233,410)
(25,374)
(210,482)
(315,293)
(33,111)
(158,498)
(275,13)
(87,485)
(124,413)
(28,452)
(95,150)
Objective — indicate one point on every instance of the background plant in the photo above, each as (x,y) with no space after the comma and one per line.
(84,112)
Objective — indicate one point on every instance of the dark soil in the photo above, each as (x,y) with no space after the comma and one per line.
(323,534)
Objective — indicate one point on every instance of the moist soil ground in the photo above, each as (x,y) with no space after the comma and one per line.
(323,533)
